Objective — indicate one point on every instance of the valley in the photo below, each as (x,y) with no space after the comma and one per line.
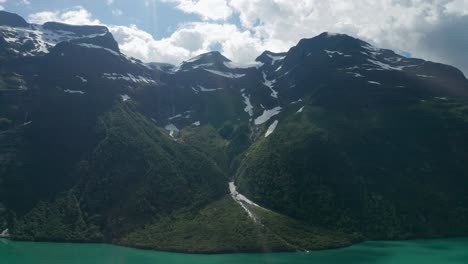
(329,144)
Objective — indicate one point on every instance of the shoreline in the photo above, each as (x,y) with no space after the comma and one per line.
(233,252)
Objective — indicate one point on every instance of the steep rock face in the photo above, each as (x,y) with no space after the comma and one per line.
(106,41)
(12,20)
(336,140)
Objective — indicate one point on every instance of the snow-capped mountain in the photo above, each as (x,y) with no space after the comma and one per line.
(332,142)
(26,39)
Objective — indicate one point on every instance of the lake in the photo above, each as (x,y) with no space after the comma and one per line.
(444,251)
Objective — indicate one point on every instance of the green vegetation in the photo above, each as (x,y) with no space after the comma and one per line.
(12,82)
(222,226)
(301,235)
(356,171)
(61,220)
(328,177)
(383,159)
(5,123)
(206,140)
(134,173)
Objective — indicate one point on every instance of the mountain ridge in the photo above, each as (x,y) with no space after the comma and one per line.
(336,141)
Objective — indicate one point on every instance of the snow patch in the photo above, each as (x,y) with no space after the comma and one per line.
(271,128)
(270,85)
(27,123)
(83,80)
(275,59)
(235,65)
(229,75)
(355,74)
(202,65)
(242,200)
(197,123)
(5,234)
(203,89)
(372,82)
(267,114)
(128,77)
(425,76)
(195,90)
(197,58)
(172,129)
(125,97)
(41,39)
(300,110)
(248,105)
(174,117)
(73,91)
(384,66)
(349,68)
(92,46)
(331,53)
(372,50)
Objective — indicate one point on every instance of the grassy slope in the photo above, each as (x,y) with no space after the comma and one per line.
(356,172)
(223,226)
(126,192)
(120,203)
(140,188)
(134,173)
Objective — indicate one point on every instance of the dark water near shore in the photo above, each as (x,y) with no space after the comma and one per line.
(443,251)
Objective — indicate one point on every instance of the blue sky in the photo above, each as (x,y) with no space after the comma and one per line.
(175,30)
(159,18)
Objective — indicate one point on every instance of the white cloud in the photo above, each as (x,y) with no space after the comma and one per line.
(188,41)
(76,16)
(395,24)
(109,2)
(207,9)
(431,29)
(25,2)
(2,2)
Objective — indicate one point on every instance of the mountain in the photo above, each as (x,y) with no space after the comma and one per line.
(331,143)
(12,20)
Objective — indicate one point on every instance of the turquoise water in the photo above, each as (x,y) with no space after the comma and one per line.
(449,251)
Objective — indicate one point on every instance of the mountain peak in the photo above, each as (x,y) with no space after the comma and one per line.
(12,20)
(335,39)
(213,59)
(31,39)
(327,34)
(268,57)
(212,56)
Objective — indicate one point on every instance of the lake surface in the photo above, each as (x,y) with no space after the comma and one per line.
(449,251)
